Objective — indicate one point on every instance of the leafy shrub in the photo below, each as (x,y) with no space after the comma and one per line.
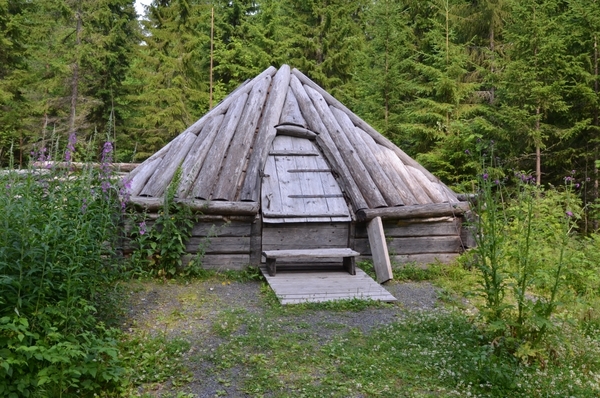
(58,231)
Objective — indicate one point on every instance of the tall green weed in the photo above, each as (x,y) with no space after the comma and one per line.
(58,233)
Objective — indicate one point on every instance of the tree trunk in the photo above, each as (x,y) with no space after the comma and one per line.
(75,81)
(538,150)
(595,121)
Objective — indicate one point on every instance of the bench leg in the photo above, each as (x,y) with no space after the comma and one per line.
(271,268)
(350,265)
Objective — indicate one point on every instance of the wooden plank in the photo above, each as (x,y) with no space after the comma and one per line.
(272,112)
(410,182)
(295,131)
(194,161)
(310,253)
(290,113)
(431,188)
(221,262)
(379,251)
(382,158)
(451,226)
(288,183)
(165,170)
(223,106)
(357,169)
(143,173)
(414,245)
(329,186)
(270,194)
(304,236)
(423,211)
(218,244)
(316,286)
(368,159)
(205,207)
(324,141)
(425,258)
(309,182)
(237,154)
(209,173)
(222,229)
(292,152)
(158,155)
(256,241)
(378,137)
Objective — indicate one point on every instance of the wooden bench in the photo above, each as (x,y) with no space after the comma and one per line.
(346,253)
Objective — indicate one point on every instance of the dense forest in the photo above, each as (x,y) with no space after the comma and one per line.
(441,78)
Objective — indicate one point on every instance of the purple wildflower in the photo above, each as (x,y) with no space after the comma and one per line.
(485,176)
(143,228)
(497,182)
(70,147)
(467,152)
(107,158)
(569,213)
(124,193)
(84,206)
(105,186)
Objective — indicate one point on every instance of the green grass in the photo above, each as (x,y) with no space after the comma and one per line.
(280,351)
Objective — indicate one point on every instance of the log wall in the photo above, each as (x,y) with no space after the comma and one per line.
(416,240)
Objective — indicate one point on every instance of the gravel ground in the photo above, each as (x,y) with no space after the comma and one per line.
(189,311)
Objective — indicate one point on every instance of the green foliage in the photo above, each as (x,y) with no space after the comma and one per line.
(58,235)
(159,248)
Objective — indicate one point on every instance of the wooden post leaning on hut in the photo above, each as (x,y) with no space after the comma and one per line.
(379,250)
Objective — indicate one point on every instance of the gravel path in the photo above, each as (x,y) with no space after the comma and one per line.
(190,311)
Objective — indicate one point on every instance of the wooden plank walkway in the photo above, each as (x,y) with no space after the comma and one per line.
(310,286)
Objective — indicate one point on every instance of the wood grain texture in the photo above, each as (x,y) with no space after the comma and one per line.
(222,229)
(368,158)
(405,174)
(361,176)
(295,131)
(290,113)
(346,181)
(272,111)
(239,149)
(304,236)
(379,250)
(193,162)
(223,106)
(219,245)
(319,286)
(209,173)
(422,211)
(205,207)
(415,245)
(310,253)
(164,172)
(384,160)
(399,229)
(142,175)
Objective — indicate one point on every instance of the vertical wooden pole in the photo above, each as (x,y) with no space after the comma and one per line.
(379,250)
(212,34)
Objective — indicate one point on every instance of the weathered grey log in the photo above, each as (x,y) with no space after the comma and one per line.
(382,158)
(430,210)
(396,228)
(206,207)
(304,236)
(125,167)
(346,181)
(221,228)
(237,154)
(209,173)
(409,180)
(383,182)
(295,131)
(361,176)
(193,162)
(415,245)
(256,241)
(431,188)
(165,171)
(290,113)
(379,138)
(379,250)
(222,106)
(218,244)
(142,175)
(419,259)
(157,155)
(256,163)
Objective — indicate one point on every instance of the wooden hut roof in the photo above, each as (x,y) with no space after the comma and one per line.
(222,155)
